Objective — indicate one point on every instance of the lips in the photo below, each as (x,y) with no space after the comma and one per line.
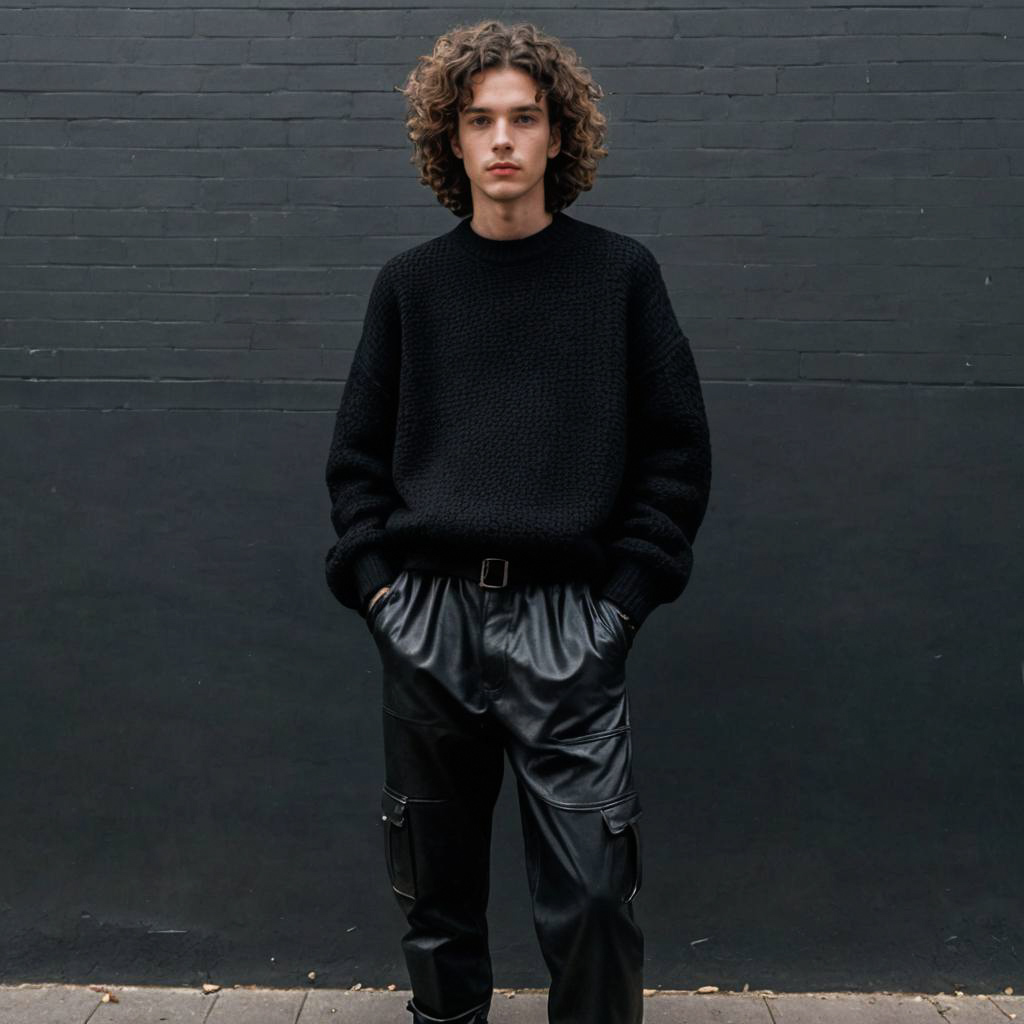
(503,167)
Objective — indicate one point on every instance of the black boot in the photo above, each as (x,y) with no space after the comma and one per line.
(478,1015)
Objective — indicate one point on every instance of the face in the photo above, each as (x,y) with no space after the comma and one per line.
(505,123)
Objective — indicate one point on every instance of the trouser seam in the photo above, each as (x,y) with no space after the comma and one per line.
(413,721)
(596,735)
(594,806)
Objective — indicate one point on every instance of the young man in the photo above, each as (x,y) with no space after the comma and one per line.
(519,467)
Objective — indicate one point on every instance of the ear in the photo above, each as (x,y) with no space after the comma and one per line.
(555,143)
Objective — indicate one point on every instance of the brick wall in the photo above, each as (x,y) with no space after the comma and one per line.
(195,201)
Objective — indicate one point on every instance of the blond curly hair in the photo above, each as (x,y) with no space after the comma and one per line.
(439,87)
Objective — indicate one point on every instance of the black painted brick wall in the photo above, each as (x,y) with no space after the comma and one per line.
(195,200)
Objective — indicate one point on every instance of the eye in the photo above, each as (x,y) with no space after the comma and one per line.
(521,117)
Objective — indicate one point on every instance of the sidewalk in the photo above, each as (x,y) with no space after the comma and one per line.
(84,1004)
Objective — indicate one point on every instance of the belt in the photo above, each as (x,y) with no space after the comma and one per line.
(492,572)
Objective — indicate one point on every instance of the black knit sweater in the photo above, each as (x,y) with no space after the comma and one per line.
(530,399)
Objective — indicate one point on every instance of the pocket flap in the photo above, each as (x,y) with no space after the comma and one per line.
(393,806)
(623,812)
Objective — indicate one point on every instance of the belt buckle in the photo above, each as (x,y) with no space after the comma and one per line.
(483,573)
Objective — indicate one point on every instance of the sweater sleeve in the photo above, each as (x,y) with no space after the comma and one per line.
(358,471)
(668,475)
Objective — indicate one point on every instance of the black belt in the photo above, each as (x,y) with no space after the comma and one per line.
(495,572)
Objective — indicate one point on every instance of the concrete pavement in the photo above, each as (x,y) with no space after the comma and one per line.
(85,1004)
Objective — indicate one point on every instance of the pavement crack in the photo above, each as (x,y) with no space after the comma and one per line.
(302,1006)
(935,1003)
(1008,1016)
(213,1003)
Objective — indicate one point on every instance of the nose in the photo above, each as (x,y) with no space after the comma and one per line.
(501,133)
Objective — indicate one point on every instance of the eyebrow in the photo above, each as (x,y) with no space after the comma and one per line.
(488,110)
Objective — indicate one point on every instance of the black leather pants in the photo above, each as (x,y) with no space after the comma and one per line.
(535,671)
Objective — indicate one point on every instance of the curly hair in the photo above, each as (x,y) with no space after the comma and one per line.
(439,87)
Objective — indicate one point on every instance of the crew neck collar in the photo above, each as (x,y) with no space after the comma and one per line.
(511,250)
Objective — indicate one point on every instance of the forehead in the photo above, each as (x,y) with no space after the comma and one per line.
(504,89)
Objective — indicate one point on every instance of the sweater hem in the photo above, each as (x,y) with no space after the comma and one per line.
(630,585)
(372,570)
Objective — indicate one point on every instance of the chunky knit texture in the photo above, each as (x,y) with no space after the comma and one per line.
(532,399)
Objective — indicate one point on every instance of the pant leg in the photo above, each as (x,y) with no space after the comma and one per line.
(443,767)
(563,706)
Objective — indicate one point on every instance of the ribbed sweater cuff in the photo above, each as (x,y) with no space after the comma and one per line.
(372,570)
(630,586)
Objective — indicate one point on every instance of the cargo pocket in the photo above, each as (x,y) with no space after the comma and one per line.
(397,843)
(622,821)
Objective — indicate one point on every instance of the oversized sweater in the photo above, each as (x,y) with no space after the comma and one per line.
(530,399)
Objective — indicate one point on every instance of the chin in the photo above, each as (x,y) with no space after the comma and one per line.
(503,194)
(506,189)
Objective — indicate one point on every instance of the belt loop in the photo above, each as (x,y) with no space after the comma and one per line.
(484,571)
